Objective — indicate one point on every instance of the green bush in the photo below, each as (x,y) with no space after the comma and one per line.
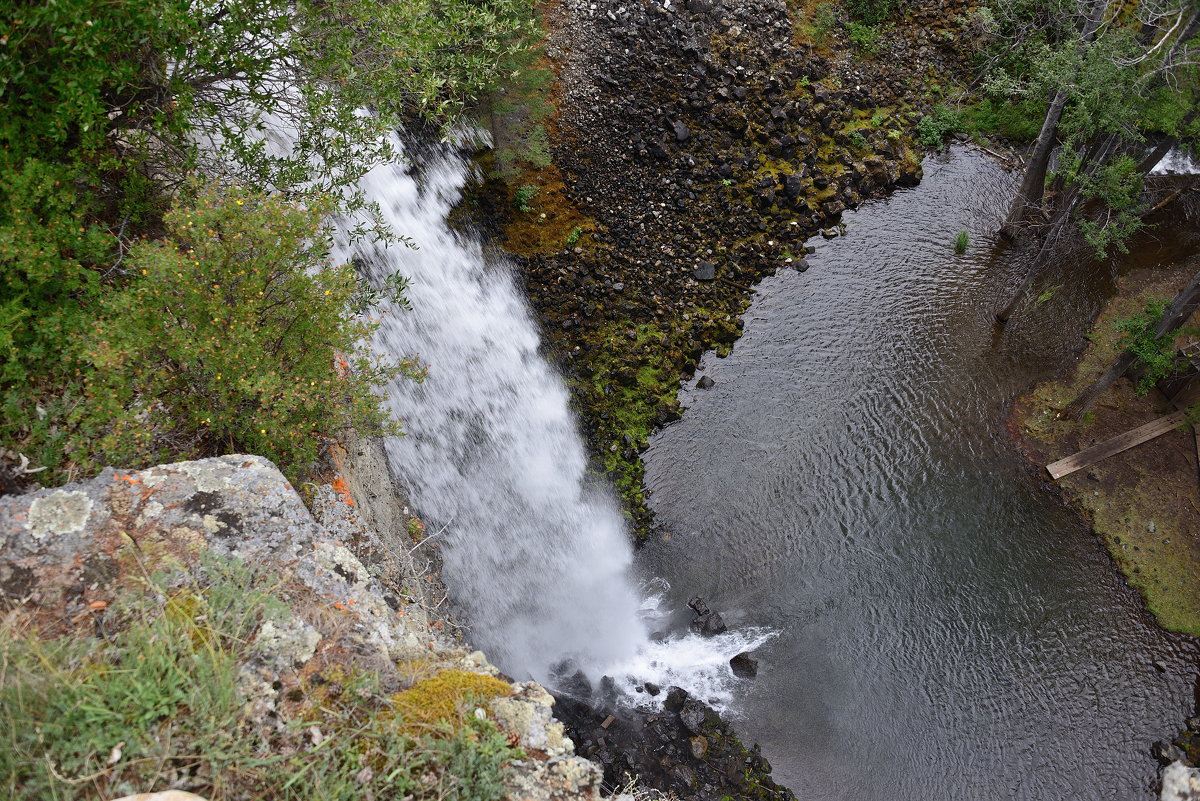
(1013,120)
(523,197)
(1156,357)
(866,38)
(824,21)
(933,128)
(235,334)
(872,12)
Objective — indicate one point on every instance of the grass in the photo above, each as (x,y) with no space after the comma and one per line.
(962,242)
(158,703)
(1123,495)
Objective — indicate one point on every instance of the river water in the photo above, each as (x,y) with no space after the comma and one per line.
(946,629)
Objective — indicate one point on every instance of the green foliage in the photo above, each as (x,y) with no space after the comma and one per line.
(872,12)
(933,128)
(524,196)
(1019,120)
(1156,357)
(106,106)
(1118,185)
(234,330)
(858,141)
(158,700)
(574,236)
(825,19)
(866,37)
(962,242)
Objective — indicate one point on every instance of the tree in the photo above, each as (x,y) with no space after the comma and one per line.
(1114,76)
(1182,307)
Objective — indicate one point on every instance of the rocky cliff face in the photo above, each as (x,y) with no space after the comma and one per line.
(353,602)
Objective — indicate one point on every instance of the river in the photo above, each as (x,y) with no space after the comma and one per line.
(946,629)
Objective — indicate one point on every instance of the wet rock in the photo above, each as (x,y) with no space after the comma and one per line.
(697,605)
(705,383)
(676,696)
(1166,753)
(697,716)
(744,666)
(709,625)
(705,271)
(651,689)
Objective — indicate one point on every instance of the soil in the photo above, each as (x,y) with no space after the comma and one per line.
(1144,503)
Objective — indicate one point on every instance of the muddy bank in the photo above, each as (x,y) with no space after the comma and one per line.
(1142,503)
(701,144)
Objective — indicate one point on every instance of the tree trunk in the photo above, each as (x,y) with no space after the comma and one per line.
(1151,160)
(1033,183)
(1182,307)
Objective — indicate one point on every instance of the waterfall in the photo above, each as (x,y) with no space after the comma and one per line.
(538,561)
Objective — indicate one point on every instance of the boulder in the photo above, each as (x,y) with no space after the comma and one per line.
(744,666)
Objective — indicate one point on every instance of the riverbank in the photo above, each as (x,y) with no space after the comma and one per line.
(696,148)
(1142,504)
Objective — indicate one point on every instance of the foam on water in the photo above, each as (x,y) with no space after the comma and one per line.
(538,560)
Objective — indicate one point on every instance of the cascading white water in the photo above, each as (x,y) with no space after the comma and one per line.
(539,563)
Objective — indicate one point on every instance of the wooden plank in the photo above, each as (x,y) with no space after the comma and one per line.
(1110,447)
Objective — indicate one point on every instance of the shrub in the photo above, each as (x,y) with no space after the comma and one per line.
(865,37)
(933,128)
(524,196)
(824,21)
(872,12)
(1156,356)
(234,335)
(961,242)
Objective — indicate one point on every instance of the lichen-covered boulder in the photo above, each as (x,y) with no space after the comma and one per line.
(352,599)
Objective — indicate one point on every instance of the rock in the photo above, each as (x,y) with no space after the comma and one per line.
(651,689)
(793,186)
(697,716)
(697,605)
(709,625)
(676,697)
(682,133)
(1159,665)
(1166,753)
(705,383)
(744,666)
(1180,783)
(705,271)
(699,746)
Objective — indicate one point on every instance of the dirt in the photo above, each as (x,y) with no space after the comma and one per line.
(1144,503)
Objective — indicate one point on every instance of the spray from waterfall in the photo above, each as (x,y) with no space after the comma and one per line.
(539,562)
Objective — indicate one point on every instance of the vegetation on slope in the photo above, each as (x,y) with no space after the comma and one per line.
(164,282)
(159,701)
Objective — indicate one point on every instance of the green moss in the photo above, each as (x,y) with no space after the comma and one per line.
(445,698)
(1138,502)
